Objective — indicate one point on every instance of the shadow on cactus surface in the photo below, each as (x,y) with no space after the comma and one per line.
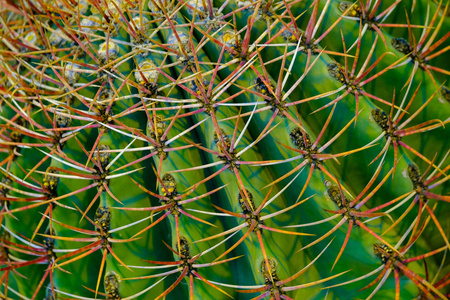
(289,149)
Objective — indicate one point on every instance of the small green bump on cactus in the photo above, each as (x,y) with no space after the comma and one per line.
(5,236)
(275,104)
(196,88)
(62,121)
(156,128)
(288,35)
(147,73)
(58,38)
(232,40)
(158,6)
(5,183)
(246,202)
(196,6)
(381,118)
(445,92)
(228,152)
(334,193)
(103,219)
(71,73)
(111,282)
(269,273)
(142,28)
(50,181)
(183,249)
(418,183)
(102,155)
(33,40)
(108,51)
(49,244)
(249,209)
(336,72)
(105,95)
(89,25)
(16,136)
(262,88)
(401,45)
(386,254)
(354,10)
(169,186)
(222,141)
(179,42)
(300,139)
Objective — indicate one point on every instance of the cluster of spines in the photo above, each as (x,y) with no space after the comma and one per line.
(183,90)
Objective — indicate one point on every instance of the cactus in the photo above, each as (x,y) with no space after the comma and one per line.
(161,149)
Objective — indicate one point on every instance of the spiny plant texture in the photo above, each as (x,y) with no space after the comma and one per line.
(236,149)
